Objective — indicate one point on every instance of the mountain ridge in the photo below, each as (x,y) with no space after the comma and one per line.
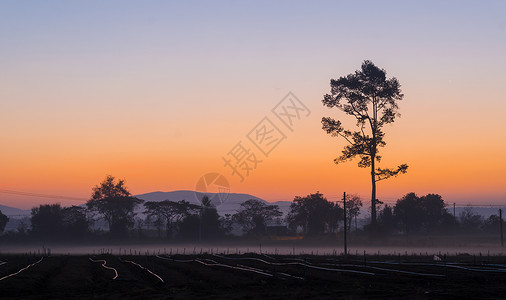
(225,203)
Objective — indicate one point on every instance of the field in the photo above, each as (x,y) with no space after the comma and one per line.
(252,276)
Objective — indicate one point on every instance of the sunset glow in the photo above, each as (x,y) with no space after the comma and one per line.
(159,94)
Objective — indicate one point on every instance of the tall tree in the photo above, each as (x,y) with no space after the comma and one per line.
(371,98)
(113,200)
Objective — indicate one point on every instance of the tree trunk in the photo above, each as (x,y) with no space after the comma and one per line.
(374,129)
(373,194)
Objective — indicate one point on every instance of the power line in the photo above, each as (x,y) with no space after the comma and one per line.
(38,195)
(388,200)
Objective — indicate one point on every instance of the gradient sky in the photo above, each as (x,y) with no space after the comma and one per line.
(157,92)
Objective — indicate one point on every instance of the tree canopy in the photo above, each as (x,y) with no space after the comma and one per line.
(315,214)
(254,215)
(53,221)
(371,98)
(353,205)
(169,213)
(47,220)
(113,200)
(421,214)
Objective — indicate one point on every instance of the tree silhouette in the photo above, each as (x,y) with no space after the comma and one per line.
(75,221)
(434,211)
(492,224)
(372,99)
(169,213)
(116,204)
(426,213)
(205,225)
(315,214)
(254,215)
(409,213)
(353,205)
(470,221)
(386,219)
(210,222)
(3,221)
(53,221)
(156,215)
(47,220)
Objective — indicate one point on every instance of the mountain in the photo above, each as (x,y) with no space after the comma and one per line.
(13,212)
(15,215)
(225,203)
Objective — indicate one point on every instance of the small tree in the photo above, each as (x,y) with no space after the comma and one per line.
(434,212)
(254,215)
(116,204)
(353,205)
(75,221)
(371,99)
(422,214)
(315,214)
(210,223)
(47,220)
(386,219)
(470,221)
(492,224)
(409,213)
(3,221)
(155,215)
(169,213)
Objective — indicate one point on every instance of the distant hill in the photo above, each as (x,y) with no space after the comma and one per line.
(13,212)
(15,216)
(228,203)
(225,203)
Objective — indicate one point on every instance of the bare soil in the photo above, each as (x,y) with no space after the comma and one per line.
(253,276)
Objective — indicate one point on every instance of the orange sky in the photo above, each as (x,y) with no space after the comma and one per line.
(159,98)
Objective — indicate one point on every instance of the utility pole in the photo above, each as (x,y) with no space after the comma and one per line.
(500,224)
(345,226)
(200,222)
(200,226)
(454,210)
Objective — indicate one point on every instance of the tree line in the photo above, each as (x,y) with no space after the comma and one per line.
(309,216)
(429,215)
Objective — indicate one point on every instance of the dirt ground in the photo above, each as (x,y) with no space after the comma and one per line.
(252,276)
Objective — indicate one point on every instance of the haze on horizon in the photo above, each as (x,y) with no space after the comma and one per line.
(159,94)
